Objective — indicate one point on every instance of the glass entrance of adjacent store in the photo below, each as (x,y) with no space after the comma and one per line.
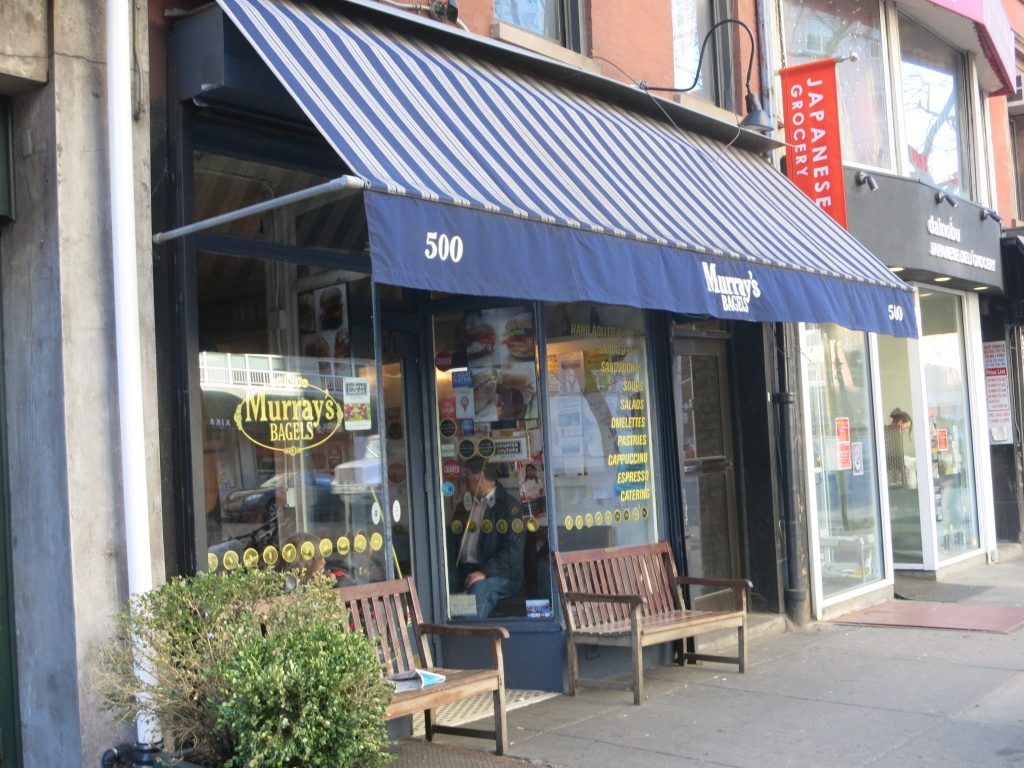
(704,428)
(846,512)
(928,437)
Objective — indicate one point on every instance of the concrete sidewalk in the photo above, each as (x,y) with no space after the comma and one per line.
(823,695)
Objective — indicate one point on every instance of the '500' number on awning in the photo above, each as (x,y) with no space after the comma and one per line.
(443,247)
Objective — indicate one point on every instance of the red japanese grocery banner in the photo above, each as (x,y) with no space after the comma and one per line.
(814,159)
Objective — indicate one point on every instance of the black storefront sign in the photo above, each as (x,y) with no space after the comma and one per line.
(906,223)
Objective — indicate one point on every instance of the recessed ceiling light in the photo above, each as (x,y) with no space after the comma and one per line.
(896,269)
(925,293)
(943,279)
(981,287)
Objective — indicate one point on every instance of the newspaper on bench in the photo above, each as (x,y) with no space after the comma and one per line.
(414,679)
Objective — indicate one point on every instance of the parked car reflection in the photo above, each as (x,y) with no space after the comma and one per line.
(260,504)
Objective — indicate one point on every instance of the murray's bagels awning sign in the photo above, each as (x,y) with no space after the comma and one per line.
(291,416)
(814,158)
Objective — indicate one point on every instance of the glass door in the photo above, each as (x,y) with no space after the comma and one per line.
(704,430)
(907,485)
(845,518)
(944,358)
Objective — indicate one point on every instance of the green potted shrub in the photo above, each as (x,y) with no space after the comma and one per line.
(247,676)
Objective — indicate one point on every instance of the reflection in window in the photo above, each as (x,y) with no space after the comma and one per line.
(537,16)
(290,466)
(816,29)
(845,474)
(494,503)
(904,485)
(949,423)
(223,184)
(599,416)
(931,107)
(690,22)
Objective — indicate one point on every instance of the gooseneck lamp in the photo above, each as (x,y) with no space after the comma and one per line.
(757,118)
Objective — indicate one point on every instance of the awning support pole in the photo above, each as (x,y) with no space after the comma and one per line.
(340,184)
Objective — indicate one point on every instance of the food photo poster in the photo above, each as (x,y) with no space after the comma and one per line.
(500,352)
(323,322)
(497,337)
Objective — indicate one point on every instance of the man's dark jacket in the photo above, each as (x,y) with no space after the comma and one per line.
(501,544)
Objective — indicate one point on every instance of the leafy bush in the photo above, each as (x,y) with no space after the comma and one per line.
(304,693)
(199,638)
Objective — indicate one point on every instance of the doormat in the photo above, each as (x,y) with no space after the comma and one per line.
(924,615)
(479,707)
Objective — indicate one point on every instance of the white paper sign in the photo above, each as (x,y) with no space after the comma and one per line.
(356,404)
(997,393)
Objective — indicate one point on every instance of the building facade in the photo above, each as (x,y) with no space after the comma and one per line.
(322,386)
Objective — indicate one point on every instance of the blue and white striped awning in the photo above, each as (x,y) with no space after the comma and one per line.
(487,181)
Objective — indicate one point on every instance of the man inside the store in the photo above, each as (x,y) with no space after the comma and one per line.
(488,563)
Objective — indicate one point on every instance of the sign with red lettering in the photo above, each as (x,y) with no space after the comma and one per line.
(814,159)
(447,408)
(443,360)
(942,439)
(845,459)
(451,469)
(843,429)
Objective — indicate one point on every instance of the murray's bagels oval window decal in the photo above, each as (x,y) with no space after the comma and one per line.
(290,416)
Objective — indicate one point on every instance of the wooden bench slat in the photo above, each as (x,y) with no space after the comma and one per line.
(608,611)
(399,635)
(649,572)
(416,620)
(617,585)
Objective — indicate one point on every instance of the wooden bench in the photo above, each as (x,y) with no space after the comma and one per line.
(389,612)
(633,597)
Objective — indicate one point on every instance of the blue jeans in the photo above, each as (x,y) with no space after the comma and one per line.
(488,592)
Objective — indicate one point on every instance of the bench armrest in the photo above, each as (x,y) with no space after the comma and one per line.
(464,630)
(593,597)
(745,584)
(740,587)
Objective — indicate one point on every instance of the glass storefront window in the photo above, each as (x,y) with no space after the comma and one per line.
(599,416)
(490,441)
(932,94)
(538,16)
(223,184)
(290,470)
(949,424)
(904,486)
(690,22)
(818,29)
(843,441)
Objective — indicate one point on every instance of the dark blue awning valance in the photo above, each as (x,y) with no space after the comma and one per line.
(487,181)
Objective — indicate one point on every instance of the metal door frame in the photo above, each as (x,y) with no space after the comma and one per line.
(408,331)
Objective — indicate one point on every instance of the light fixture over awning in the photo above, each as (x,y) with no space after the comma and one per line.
(481,179)
(977,26)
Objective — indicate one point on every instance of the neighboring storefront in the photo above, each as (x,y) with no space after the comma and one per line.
(1003,330)
(900,429)
(896,427)
(453,351)
(932,393)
